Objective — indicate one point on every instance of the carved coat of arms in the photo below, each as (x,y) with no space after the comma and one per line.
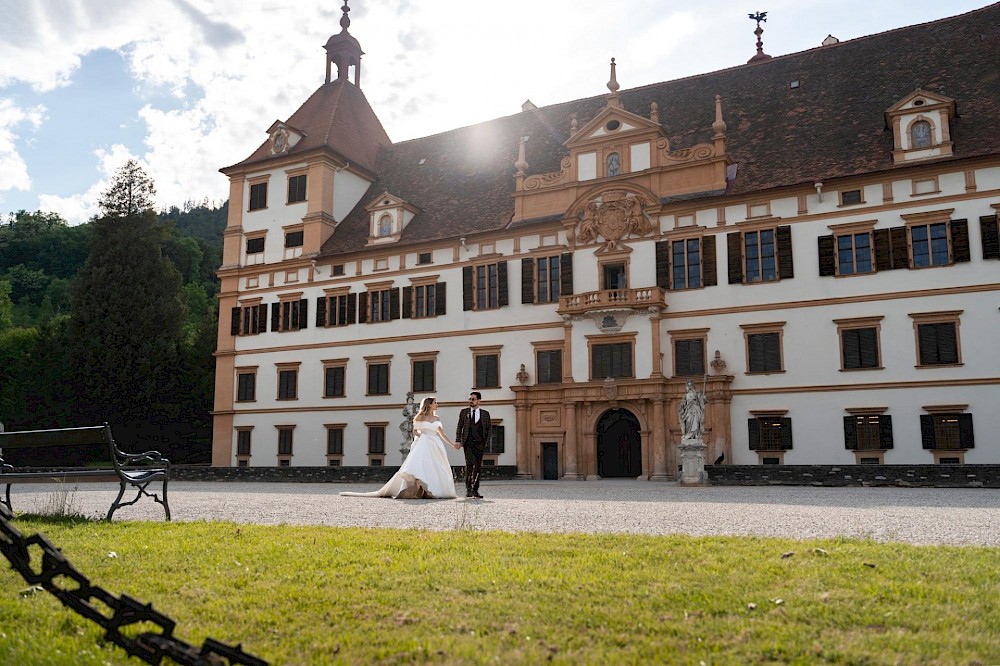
(616,216)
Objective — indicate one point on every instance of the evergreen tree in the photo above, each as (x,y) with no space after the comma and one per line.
(127,313)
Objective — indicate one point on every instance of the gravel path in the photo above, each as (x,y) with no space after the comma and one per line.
(913,515)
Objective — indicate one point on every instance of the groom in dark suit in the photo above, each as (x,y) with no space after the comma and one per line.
(473,434)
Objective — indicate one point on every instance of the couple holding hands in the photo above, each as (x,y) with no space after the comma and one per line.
(426,473)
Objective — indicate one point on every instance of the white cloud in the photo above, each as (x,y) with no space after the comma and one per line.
(13,169)
(80,207)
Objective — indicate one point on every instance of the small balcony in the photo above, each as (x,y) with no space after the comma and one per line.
(608,300)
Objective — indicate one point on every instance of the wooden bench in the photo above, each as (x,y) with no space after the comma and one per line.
(135,470)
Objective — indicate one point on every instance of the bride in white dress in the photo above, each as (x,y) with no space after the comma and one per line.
(426,473)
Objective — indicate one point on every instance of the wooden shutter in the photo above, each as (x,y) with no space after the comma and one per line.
(772,352)
(900,252)
(321,311)
(966,438)
(947,343)
(234,324)
(960,251)
(709,272)
(363,307)
(527,280)
(304,313)
(885,431)
(663,264)
(850,341)
(927,339)
(786,265)
(502,298)
(753,429)
(927,431)
(883,250)
(352,308)
(566,274)
(734,244)
(851,432)
(868,347)
(991,236)
(408,302)
(261,319)
(467,288)
(755,343)
(394,303)
(786,433)
(827,257)
(275,316)
(440,299)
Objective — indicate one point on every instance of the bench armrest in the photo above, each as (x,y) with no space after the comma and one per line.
(129,459)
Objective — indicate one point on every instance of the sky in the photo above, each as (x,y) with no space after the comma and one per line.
(187,87)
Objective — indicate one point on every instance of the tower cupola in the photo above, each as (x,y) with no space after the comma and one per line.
(344,52)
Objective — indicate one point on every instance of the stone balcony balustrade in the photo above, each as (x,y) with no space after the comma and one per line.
(591,302)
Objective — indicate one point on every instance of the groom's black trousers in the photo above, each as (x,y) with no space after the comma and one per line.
(473,465)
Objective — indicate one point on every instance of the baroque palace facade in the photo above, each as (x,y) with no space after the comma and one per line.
(811,239)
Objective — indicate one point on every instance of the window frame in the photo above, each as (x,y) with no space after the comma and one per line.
(297,188)
(285,445)
(486,296)
(858,324)
(936,420)
(492,351)
(689,335)
(874,426)
(423,358)
(952,317)
(688,269)
(332,455)
(768,328)
(772,418)
(547,347)
(374,364)
(287,389)
(376,431)
(246,371)
(257,195)
(600,341)
(333,365)
(240,432)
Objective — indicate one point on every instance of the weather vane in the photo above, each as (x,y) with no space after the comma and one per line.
(760,17)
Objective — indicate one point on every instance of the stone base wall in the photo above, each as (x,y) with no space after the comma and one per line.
(315,474)
(935,476)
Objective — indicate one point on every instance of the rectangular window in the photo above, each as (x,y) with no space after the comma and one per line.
(376,440)
(423,376)
(255,245)
(547,279)
(764,352)
(854,254)
(243,442)
(294,238)
(246,390)
(611,360)
(424,258)
(487,371)
(495,444)
(770,433)
(338,310)
(859,348)
(686,257)
(689,358)
(289,315)
(759,256)
(930,244)
(549,366)
(487,288)
(337,270)
(424,300)
(284,441)
(850,198)
(379,304)
(288,381)
(297,189)
(249,320)
(938,343)
(258,196)
(333,381)
(378,379)
(335,441)
(867,432)
(951,431)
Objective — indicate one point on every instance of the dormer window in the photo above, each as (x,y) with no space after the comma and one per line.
(388,217)
(920,124)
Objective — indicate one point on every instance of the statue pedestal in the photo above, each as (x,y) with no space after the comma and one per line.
(693,462)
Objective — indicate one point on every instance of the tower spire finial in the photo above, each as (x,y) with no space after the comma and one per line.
(345,20)
(759,17)
(613,83)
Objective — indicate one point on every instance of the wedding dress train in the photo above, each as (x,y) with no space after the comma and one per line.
(425,474)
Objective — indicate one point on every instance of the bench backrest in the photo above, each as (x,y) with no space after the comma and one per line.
(29,439)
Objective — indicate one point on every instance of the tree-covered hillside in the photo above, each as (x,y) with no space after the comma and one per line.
(113,320)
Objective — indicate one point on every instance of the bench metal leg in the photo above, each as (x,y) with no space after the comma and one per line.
(7,501)
(141,490)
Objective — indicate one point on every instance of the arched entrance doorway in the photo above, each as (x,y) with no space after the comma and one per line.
(619,445)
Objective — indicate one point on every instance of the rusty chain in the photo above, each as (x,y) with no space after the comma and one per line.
(113,614)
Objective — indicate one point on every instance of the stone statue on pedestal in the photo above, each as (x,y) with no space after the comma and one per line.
(406,426)
(692,417)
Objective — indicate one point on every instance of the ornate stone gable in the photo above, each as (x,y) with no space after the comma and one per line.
(614,215)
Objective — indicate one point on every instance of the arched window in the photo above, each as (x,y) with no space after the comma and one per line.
(920,134)
(385,225)
(614,165)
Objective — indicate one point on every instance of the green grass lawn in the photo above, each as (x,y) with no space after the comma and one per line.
(320,595)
